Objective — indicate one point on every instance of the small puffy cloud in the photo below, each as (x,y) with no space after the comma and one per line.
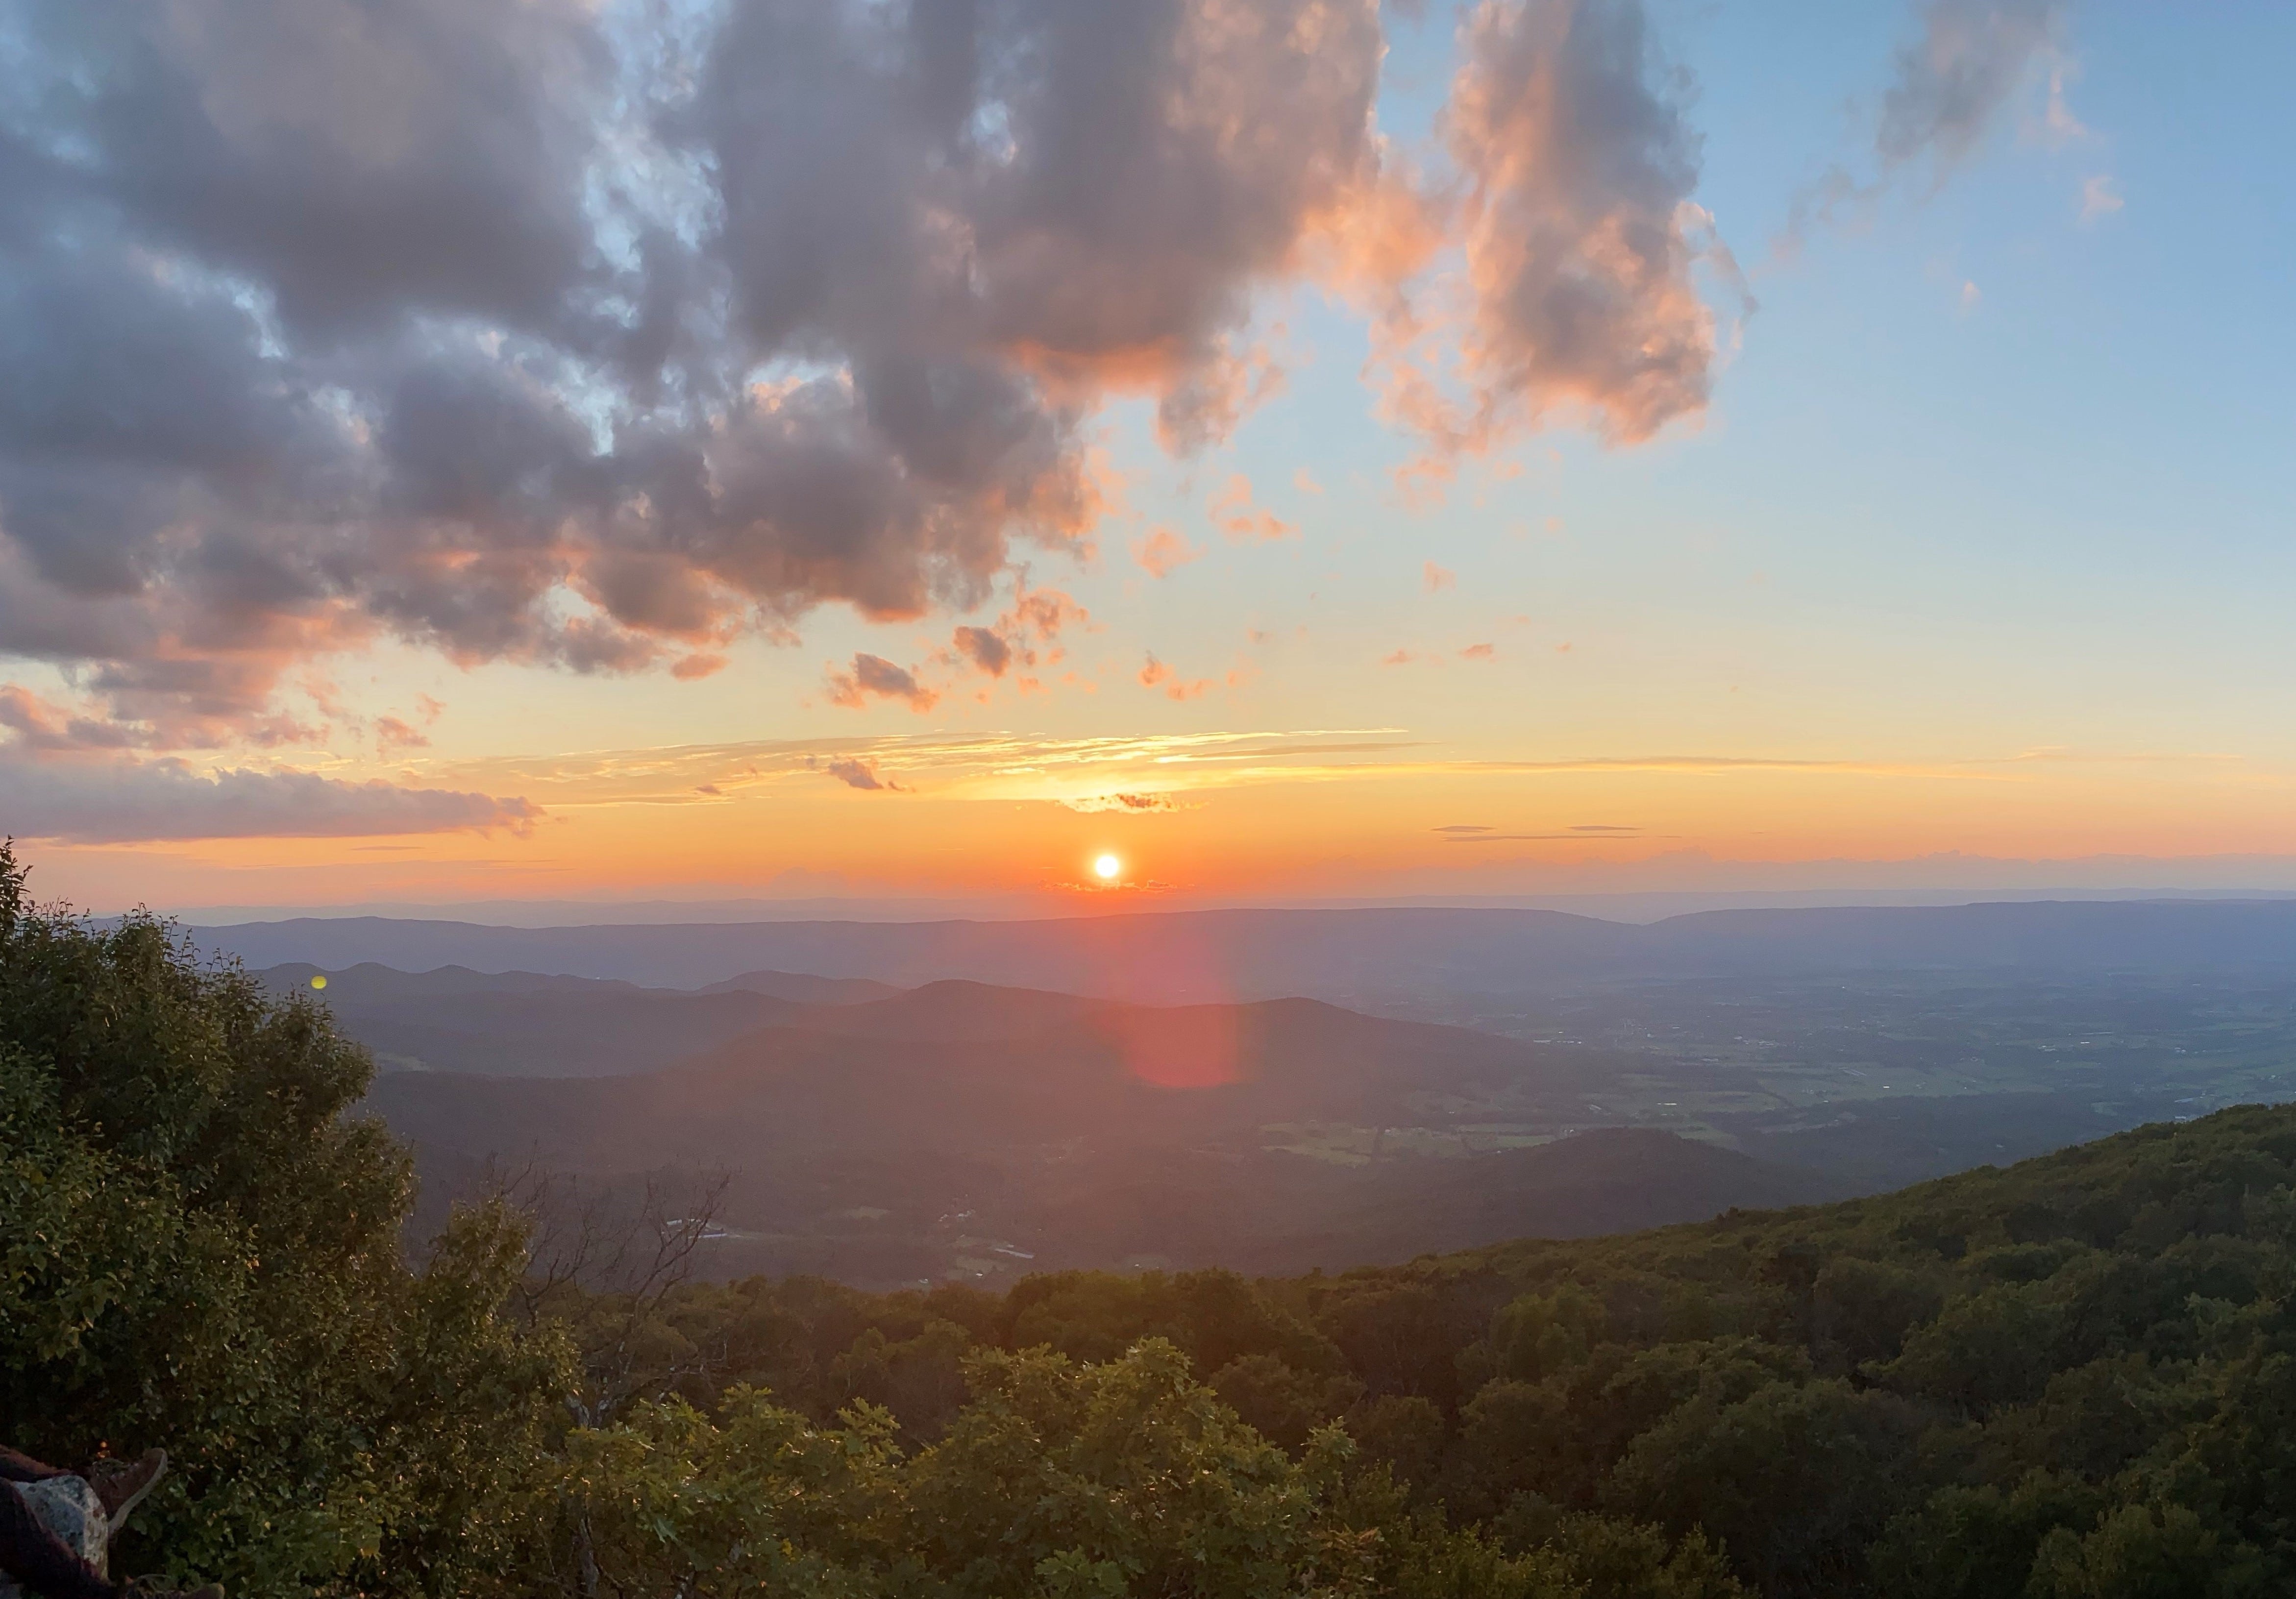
(1479,653)
(1437,578)
(121,801)
(1156,675)
(873,677)
(985,648)
(1305,482)
(858,774)
(1164,551)
(1397,657)
(1234,513)
(2100,197)
(1026,635)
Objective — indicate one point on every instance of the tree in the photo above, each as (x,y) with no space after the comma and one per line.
(198,1246)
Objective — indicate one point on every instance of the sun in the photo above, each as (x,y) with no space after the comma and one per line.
(1107,868)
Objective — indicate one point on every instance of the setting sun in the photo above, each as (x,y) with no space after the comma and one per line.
(1106,868)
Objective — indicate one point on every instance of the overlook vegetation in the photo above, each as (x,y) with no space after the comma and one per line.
(2071,1379)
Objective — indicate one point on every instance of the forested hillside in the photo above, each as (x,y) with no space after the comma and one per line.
(2071,1379)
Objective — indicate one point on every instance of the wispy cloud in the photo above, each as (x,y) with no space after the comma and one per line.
(1124,804)
(1099,771)
(113,799)
(1951,88)
(2100,198)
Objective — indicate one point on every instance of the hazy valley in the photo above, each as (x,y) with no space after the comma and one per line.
(1597,1079)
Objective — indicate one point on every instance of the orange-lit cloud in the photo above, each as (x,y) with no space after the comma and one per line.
(1164,550)
(1234,513)
(1158,676)
(1578,237)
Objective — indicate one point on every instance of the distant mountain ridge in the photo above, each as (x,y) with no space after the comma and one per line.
(1344,955)
(534,1024)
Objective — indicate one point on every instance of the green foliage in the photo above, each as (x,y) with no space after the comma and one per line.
(198,1246)
(2000,1384)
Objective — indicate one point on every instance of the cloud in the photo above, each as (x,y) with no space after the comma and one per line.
(873,677)
(1585,832)
(396,732)
(2100,197)
(119,800)
(40,725)
(858,774)
(1435,579)
(1026,635)
(600,336)
(1479,653)
(1578,237)
(1127,804)
(1576,835)
(1159,676)
(985,648)
(1953,84)
(1163,552)
(1950,87)
(1234,513)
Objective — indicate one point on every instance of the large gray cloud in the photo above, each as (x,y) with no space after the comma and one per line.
(599,333)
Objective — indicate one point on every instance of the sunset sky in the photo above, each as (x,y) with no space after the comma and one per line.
(474,450)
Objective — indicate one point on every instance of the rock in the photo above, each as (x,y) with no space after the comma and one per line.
(68,1507)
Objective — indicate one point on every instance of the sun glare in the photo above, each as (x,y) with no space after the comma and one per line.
(1107,868)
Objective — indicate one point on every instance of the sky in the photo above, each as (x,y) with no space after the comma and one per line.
(460,451)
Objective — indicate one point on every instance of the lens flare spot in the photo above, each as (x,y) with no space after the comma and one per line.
(1107,868)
